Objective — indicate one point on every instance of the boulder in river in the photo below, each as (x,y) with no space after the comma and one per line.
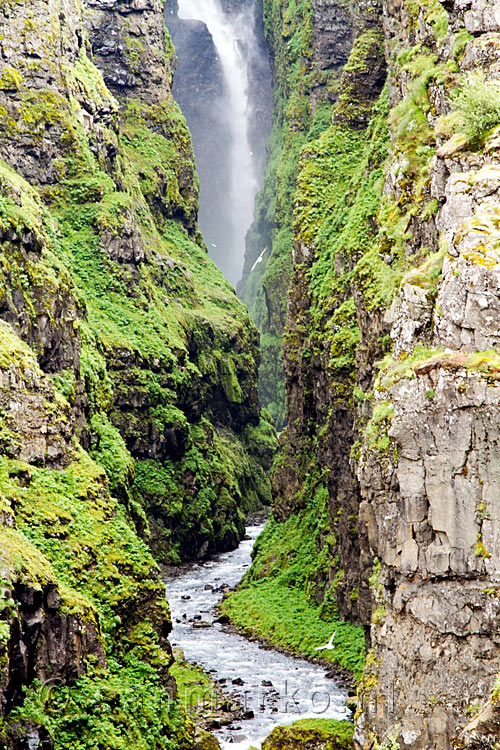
(311,734)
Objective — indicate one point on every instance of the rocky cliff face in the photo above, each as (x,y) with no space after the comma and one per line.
(428,467)
(128,399)
(391,366)
(330,228)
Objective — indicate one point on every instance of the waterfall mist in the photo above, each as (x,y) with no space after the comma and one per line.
(223,87)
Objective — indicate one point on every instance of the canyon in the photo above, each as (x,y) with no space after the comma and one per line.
(139,395)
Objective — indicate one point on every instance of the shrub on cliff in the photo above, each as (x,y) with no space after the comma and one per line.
(478,102)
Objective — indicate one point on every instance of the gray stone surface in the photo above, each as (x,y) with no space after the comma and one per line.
(430,503)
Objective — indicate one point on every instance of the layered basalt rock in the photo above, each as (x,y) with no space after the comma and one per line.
(391,363)
(429,490)
(127,41)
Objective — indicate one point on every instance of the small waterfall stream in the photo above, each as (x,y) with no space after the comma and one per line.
(231,34)
(222,85)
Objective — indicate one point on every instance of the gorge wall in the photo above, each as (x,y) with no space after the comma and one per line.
(129,414)
(384,230)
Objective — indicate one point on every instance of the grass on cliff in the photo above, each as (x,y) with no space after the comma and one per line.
(277,600)
(150,300)
(289,30)
(70,532)
(166,332)
(478,103)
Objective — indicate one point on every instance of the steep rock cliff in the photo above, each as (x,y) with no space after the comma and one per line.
(128,398)
(179,371)
(313,546)
(388,464)
(428,464)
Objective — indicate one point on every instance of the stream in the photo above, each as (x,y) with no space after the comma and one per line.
(273,688)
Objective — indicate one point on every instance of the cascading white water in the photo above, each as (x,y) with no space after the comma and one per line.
(231,35)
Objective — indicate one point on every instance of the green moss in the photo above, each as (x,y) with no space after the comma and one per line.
(208,511)
(325,733)
(194,686)
(480,550)
(24,559)
(432,13)
(377,427)
(11,79)
(14,352)
(161,162)
(110,451)
(264,289)
(87,76)
(427,275)
(114,243)
(122,708)
(368,47)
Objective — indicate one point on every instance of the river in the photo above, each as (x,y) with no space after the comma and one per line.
(278,689)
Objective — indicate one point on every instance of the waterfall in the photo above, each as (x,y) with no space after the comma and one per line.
(226,201)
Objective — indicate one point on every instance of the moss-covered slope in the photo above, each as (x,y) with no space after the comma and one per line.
(129,413)
(168,358)
(309,44)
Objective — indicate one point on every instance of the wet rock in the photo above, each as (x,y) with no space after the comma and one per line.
(201,624)
(352,703)
(237,681)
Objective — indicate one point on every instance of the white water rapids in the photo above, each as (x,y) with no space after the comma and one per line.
(232,35)
(278,689)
